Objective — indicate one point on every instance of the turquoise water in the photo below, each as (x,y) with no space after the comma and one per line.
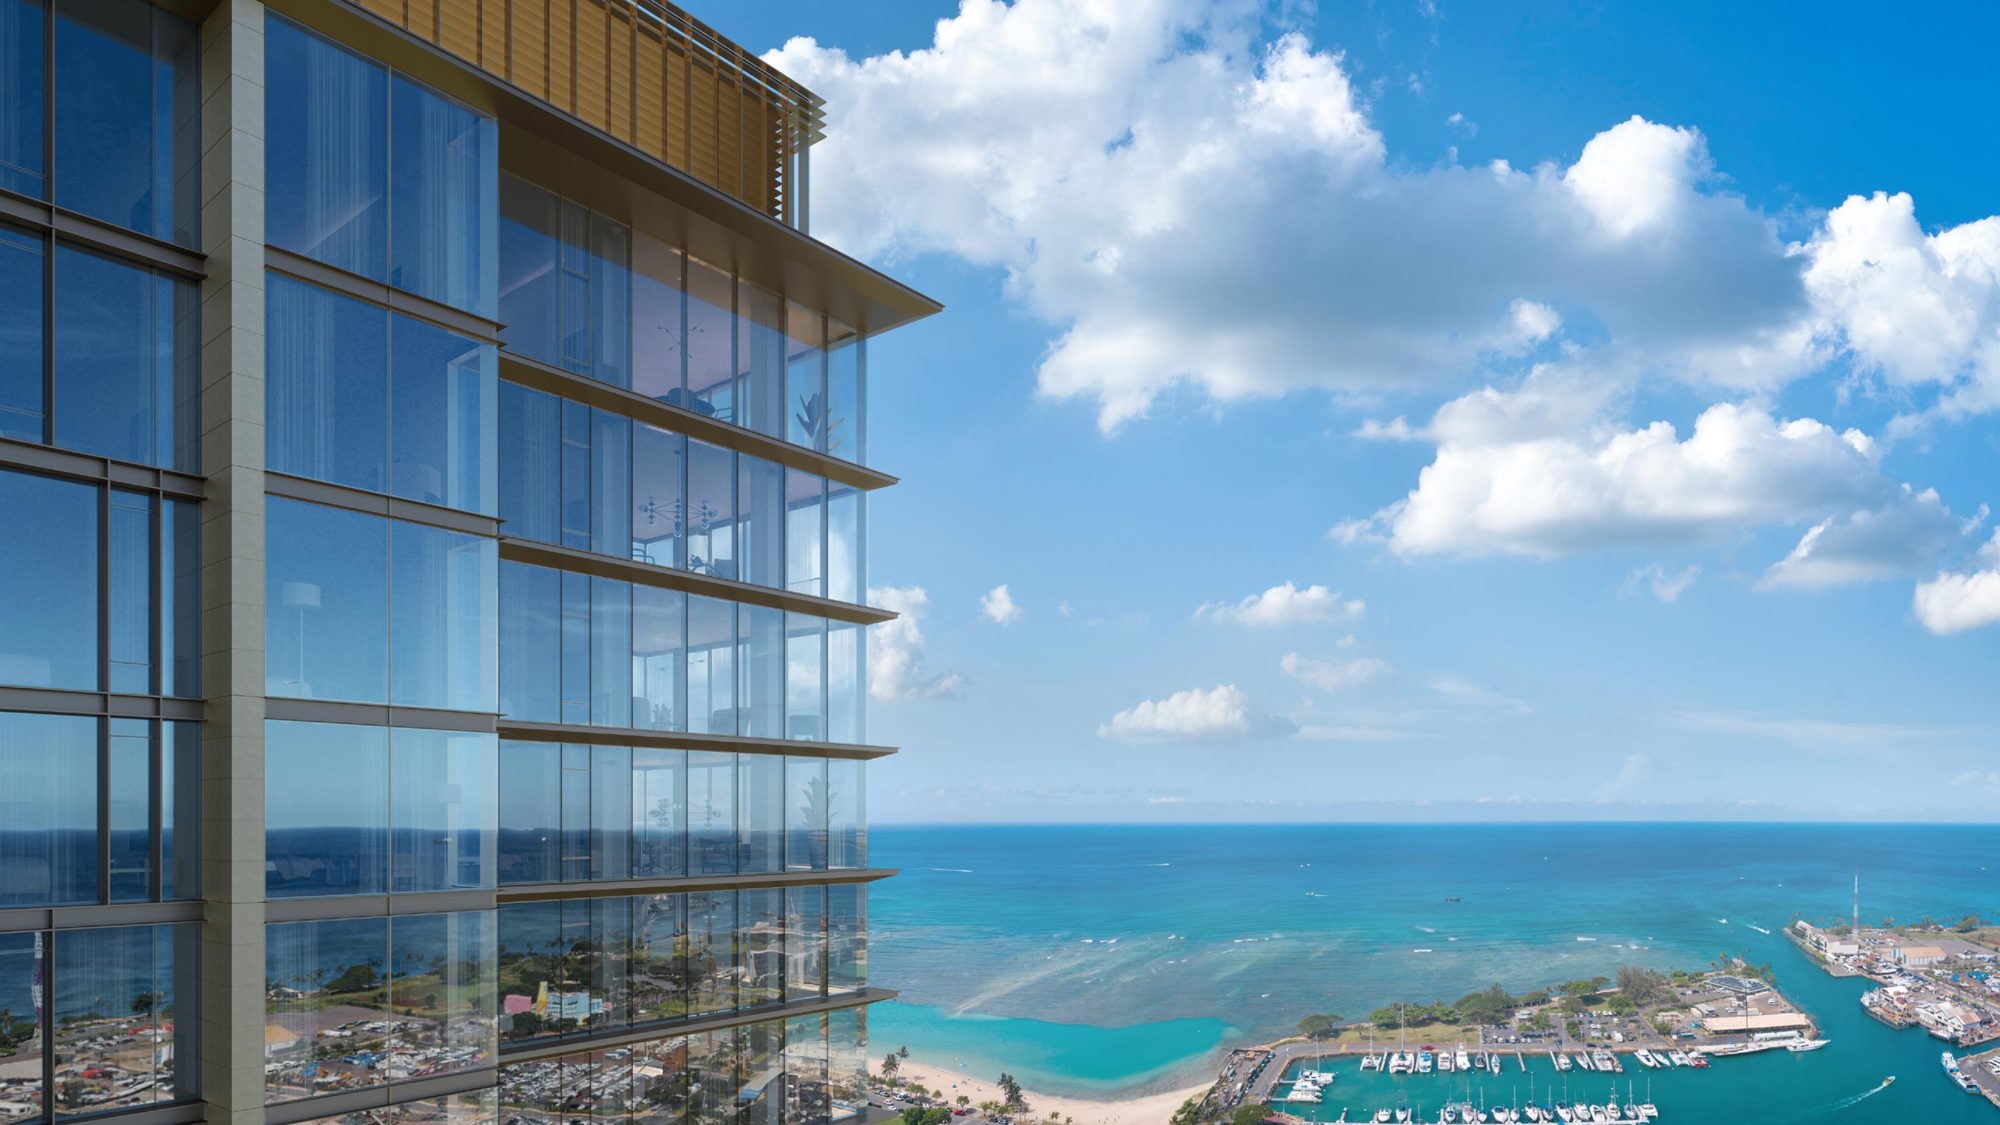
(1101,959)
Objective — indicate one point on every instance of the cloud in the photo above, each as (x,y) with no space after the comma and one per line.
(1665,585)
(1808,732)
(1215,714)
(1976,779)
(1464,691)
(1634,776)
(1909,532)
(998,605)
(1331,677)
(896,649)
(1284,605)
(1135,168)
(1954,602)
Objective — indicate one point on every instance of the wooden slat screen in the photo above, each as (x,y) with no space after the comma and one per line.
(642,71)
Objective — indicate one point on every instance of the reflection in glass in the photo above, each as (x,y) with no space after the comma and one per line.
(711,812)
(762,1098)
(180,810)
(326,385)
(659,964)
(530,643)
(847,814)
(659,813)
(531,473)
(326,802)
(805,533)
(128,809)
(711,666)
(443,620)
(805,956)
(530,812)
(127,117)
(444,416)
(846,417)
(180,587)
(326,151)
(610,653)
(21,1044)
(443,788)
(711,505)
(658,508)
(846,573)
(846,687)
(124,1017)
(711,366)
(443,977)
(21,274)
(535,982)
(48,566)
(846,937)
(130,548)
(760,359)
(610,812)
(760,797)
(326,597)
(658,332)
(125,360)
(659,659)
(760,505)
(761,662)
(23,70)
(805,676)
(48,809)
(326,1009)
(761,914)
(807,1099)
(444,199)
(847,1062)
(805,814)
(712,965)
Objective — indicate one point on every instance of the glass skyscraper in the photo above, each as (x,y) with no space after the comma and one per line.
(433,478)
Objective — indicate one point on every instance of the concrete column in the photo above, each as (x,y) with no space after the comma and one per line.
(232,580)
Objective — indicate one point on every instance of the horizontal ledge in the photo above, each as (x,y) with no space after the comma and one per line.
(378,504)
(518,731)
(177,1113)
(75,227)
(353,1101)
(621,888)
(376,715)
(101,470)
(534,1051)
(88,917)
(58,701)
(335,907)
(540,376)
(380,294)
(667,578)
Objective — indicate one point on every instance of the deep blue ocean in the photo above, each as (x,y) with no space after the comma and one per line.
(1106,959)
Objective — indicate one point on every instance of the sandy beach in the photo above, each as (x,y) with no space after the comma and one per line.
(1150,1109)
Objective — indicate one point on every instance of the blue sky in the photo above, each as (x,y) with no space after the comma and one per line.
(1423,411)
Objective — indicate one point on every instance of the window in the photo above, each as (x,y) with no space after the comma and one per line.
(846,576)
(48,565)
(566,293)
(846,937)
(659,659)
(846,814)
(377,175)
(125,361)
(530,812)
(761,663)
(21,294)
(711,797)
(846,683)
(712,965)
(805,533)
(805,677)
(531,474)
(443,809)
(844,434)
(760,803)
(23,967)
(711,666)
(711,503)
(531,655)
(659,464)
(805,814)
(659,813)
(22,82)
(805,931)
(659,961)
(434,593)
(805,377)
(760,359)
(125,1017)
(128,117)
(760,504)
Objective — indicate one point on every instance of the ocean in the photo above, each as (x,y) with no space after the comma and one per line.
(1103,960)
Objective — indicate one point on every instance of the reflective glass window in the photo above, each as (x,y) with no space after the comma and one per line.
(610,653)
(846,937)
(610,812)
(443,809)
(125,1017)
(760,813)
(807,1098)
(712,962)
(659,659)
(22,291)
(326,991)
(530,812)
(22,971)
(566,283)
(711,666)
(326,385)
(23,74)
(711,367)
(531,624)
(805,377)
(711,505)
(805,533)
(48,809)
(659,813)
(326,809)
(443,390)
(846,683)
(48,566)
(444,199)
(846,420)
(760,506)
(128,801)
(805,937)
(180,586)
(531,474)
(761,915)
(326,602)
(607,961)
(659,461)
(130,596)
(443,973)
(847,1063)
(536,981)
(846,814)
(180,810)
(443,619)
(711,797)
(125,360)
(760,359)
(846,578)
(806,814)
(326,151)
(659,330)
(128,117)
(805,677)
(530,270)
(761,666)
(659,961)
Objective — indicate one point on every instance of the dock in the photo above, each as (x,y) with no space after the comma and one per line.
(1978,1068)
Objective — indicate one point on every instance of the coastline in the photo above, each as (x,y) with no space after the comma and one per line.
(1140,1109)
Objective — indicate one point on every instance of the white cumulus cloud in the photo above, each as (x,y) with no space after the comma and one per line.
(896,649)
(1216,714)
(1953,602)
(998,605)
(1284,604)
(1907,533)
(1666,585)
(1333,676)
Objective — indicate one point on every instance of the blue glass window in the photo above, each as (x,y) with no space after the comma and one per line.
(711,666)
(21,304)
(180,587)
(443,812)
(761,668)
(128,805)
(22,79)
(444,644)
(531,664)
(444,199)
(128,117)
(326,809)
(531,474)
(125,361)
(805,677)
(530,812)
(659,659)
(443,397)
(131,591)
(760,505)
(806,814)
(312,966)
(126,1004)
(659,812)
(326,603)
(48,566)
(760,812)
(659,468)
(711,797)
(327,385)
(326,151)
(48,809)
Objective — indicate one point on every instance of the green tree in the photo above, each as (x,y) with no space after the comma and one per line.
(1967,924)
(1250,1113)
(1016,1098)
(891,1065)
(1317,1025)
(1188,1114)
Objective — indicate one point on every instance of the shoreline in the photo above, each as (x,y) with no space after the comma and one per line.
(1129,1109)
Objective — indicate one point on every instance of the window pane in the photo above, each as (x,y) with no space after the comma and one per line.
(805,937)
(125,361)
(124,1017)
(711,372)
(805,814)
(610,653)
(805,533)
(845,424)
(534,969)
(760,359)
(762,660)
(22,76)
(326,595)
(712,951)
(327,385)
(180,810)
(805,676)
(762,918)
(443,390)
(21,294)
(711,522)
(131,592)
(609,327)
(608,956)
(760,803)
(846,686)
(658,333)
(530,811)
(530,643)
(575,647)
(48,802)
(530,272)
(180,586)
(610,812)
(444,199)
(129,806)
(658,461)
(805,377)
(21,1045)
(127,120)
(444,792)
(760,502)
(444,619)
(531,473)
(442,976)
(659,961)
(846,578)
(847,937)
(711,674)
(316,976)
(711,813)
(48,566)
(575,813)
(807,1099)
(847,814)
(326,151)
(847,1062)
(610,484)
(326,809)
(659,813)
(659,665)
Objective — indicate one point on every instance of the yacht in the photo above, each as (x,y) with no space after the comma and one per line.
(1562,1061)
(1564,1114)
(1493,1063)
(1445,1063)
(1806,1044)
(1603,1060)
(1381,1116)
(1699,1062)
(1464,1060)
(1645,1058)
(1681,1058)
(1583,1060)
(1402,1113)
(1648,1111)
(1957,1075)
(1425,1062)
(1371,1062)
(1399,1063)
